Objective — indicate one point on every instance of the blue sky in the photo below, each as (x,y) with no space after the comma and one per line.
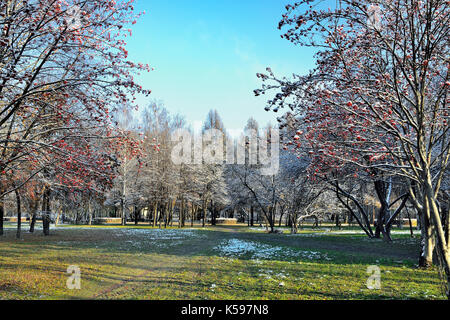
(206,54)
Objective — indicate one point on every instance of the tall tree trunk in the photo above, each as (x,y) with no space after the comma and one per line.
(181,214)
(445,214)
(123,210)
(155,213)
(19,215)
(427,240)
(58,217)
(90,212)
(2,214)
(442,247)
(166,214)
(270,218)
(282,208)
(252,212)
(338,222)
(34,206)
(204,213)
(172,212)
(46,212)
(213,214)
(382,191)
(194,213)
(136,216)
(410,223)
(293,223)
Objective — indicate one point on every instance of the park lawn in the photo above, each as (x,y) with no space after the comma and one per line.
(214,263)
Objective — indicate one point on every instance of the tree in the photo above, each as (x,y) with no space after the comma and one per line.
(214,185)
(378,96)
(263,189)
(60,78)
(158,179)
(298,192)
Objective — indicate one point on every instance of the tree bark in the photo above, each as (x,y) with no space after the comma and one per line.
(136,216)
(213,213)
(384,213)
(58,217)
(181,214)
(166,214)
(155,213)
(19,215)
(123,210)
(46,212)
(282,209)
(172,212)
(367,229)
(270,218)
(204,213)
(410,223)
(90,213)
(194,214)
(2,214)
(34,206)
(441,244)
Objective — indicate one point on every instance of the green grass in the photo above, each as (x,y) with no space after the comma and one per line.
(141,263)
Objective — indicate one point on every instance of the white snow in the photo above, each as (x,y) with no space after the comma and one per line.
(236,247)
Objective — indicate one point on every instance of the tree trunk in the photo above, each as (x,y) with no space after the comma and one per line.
(442,248)
(194,213)
(181,215)
(34,205)
(46,212)
(338,222)
(381,189)
(365,224)
(204,213)
(410,223)
(58,216)
(2,214)
(19,215)
(270,218)
(155,213)
(445,209)
(252,213)
(172,212)
(124,214)
(281,216)
(136,216)
(293,223)
(166,214)
(427,240)
(213,214)
(90,213)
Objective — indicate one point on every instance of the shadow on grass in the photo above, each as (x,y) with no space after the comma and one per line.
(104,240)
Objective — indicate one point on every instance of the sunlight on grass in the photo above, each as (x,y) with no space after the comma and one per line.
(144,263)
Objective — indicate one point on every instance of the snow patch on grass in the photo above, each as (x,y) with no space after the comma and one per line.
(238,248)
(160,234)
(138,239)
(156,238)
